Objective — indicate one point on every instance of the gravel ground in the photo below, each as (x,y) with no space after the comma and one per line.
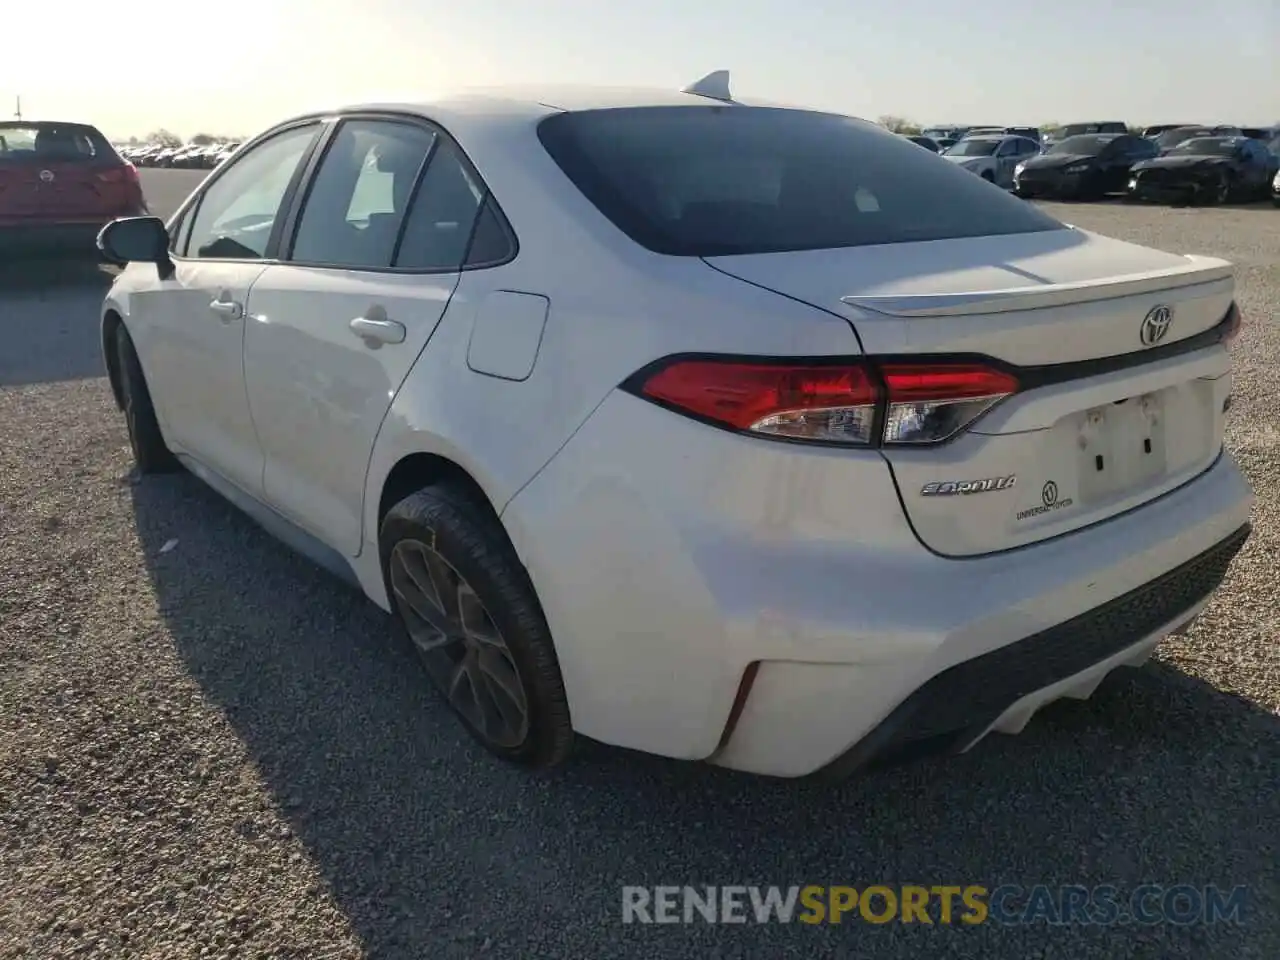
(213,750)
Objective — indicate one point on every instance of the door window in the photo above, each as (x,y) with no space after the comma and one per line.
(235,216)
(358,200)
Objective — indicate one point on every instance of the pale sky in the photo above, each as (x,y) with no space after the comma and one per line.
(237,66)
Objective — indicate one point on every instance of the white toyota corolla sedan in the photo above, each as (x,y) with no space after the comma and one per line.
(727,432)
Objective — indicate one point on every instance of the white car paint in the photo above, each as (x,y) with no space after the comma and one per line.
(997,167)
(674,560)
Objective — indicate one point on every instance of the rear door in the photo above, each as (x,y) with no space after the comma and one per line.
(59,172)
(333,332)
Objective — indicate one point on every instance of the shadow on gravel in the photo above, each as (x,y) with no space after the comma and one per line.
(432,849)
(49,321)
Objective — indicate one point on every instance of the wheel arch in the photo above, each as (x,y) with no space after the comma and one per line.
(414,471)
(112,322)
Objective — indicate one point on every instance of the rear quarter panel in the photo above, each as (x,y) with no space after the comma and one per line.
(612,308)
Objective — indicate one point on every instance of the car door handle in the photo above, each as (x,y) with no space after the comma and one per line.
(376,330)
(228,310)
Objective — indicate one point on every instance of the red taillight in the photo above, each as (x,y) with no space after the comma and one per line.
(126,173)
(839,402)
(931,402)
(811,402)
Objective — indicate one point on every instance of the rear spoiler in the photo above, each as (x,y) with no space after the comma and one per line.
(1198,271)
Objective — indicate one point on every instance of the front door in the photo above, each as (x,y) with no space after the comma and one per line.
(333,332)
(196,319)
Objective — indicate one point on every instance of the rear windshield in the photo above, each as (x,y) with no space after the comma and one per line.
(1085,146)
(50,142)
(715,181)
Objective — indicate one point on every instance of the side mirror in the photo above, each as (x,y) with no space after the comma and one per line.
(136,240)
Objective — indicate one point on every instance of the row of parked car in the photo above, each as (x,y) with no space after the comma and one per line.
(190,156)
(1178,164)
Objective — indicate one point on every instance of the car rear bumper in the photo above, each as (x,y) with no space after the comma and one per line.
(47,238)
(1001,690)
(766,607)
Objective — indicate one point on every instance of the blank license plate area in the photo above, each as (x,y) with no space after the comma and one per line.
(1122,446)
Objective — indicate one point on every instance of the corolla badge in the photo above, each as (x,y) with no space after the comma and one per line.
(1155,325)
(956,488)
(46,176)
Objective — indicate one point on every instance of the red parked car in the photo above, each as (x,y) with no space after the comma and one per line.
(60,183)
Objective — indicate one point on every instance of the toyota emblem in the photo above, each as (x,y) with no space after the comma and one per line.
(46,176)
(1155,325)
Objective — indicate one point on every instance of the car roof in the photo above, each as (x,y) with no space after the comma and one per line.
(480,104)
(466,111)
(13,124)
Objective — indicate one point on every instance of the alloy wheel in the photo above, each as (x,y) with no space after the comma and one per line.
(459,644)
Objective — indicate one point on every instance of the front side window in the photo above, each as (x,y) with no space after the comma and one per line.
(712,181)
(361,192)
(236,214)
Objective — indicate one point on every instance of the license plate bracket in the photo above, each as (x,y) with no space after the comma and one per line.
(1121,446)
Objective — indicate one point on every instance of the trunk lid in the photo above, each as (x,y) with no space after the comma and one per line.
(1108,417)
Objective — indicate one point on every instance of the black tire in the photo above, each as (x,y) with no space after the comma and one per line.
(1221,191)
(988,176)
(448,522)
(149,450)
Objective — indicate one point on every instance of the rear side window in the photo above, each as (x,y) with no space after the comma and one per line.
(716,181)
(52,143)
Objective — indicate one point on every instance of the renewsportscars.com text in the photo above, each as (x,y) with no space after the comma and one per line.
(969,904)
